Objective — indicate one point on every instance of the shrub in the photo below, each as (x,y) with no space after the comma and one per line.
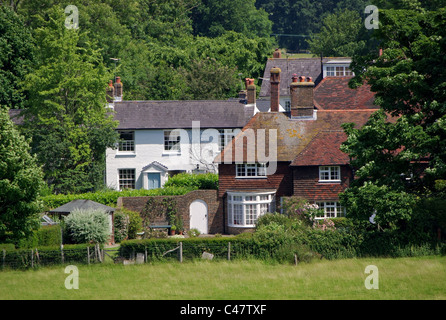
(88,226)
(121,224)
(196,181)
(44,236)
(110,197)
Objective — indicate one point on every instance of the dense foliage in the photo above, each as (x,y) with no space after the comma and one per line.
(399,156)
(20,182)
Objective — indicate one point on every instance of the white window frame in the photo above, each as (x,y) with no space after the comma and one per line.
(336,70)
(245,208)
(172,141)
(332,209)
(126,146)
(125,180)
(331,71)
(225,137)
(333,173)
(250,170)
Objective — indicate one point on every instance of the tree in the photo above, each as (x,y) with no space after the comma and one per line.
(342,35)
(16,57)
(66,114)
(212,18)
(208,79)
(401,158)
(20,182)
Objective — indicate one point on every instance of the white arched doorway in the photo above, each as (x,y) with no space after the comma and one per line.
(198,212)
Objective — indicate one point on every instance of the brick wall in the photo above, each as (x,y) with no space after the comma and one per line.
(306,184)
(215,210)
(282,180)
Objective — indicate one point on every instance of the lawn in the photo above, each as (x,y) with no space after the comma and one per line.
(402,278)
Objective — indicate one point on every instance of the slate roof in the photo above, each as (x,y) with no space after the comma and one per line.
(81,204)
(309,67)
(171,114)
(293,135)
(323,150)
(334,93)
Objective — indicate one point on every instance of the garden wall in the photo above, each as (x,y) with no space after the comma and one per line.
(182,204)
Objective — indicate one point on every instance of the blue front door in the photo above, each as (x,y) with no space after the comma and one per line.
(154,180)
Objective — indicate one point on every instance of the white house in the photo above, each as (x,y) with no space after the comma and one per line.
(162,138)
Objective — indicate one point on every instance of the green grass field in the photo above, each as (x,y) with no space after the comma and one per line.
(421,278)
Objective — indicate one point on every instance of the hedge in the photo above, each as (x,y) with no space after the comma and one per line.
(110,198)
(192,247)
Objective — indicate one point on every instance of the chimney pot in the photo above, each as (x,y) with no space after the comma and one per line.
(251,90)
(294,78)
(309,79)
(118,89)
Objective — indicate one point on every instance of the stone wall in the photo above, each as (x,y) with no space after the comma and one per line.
(215,207)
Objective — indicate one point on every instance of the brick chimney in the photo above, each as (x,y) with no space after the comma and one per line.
(251,89)
(301,91)
(277,54)
(110,92)
(118,89)
(275,87)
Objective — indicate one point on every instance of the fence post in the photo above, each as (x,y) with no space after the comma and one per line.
(229,250)
(38,257)
(145,253)
(181,252)
(88,254)
(295,259)
(61,253)
(32,258)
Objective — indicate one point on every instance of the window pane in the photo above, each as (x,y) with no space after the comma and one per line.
(126,142)
(330,71)
(250,213)
(339,71)
(126,179)
(238,214)
(171,140)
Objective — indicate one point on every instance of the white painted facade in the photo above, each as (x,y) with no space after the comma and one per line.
(150,160)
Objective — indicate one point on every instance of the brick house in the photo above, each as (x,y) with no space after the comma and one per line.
(282,153)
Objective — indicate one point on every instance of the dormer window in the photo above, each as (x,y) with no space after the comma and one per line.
(329,174)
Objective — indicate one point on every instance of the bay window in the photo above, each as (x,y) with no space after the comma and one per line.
(245,208)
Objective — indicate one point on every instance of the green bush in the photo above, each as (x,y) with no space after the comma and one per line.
(195,181)
(44,236)
(110,197)
(193,248)
(121,226)
(85,226)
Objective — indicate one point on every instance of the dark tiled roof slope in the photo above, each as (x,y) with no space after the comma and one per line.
(180,114)
(308,67)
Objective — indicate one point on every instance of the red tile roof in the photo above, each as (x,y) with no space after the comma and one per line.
(293,135)
(333,93)
(323,150)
